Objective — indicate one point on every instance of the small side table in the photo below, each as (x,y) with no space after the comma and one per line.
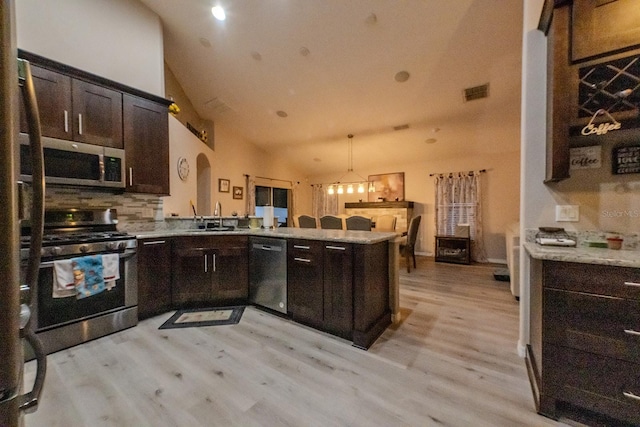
(453,249)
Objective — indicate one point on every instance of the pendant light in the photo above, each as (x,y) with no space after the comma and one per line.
(352,186)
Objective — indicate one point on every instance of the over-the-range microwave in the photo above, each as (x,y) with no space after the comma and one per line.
(75,163)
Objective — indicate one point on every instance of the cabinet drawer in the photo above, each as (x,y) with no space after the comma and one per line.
(608,326)
(623,282)
(601,384)
(305,251)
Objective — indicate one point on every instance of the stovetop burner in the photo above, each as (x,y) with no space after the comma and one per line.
(76,232)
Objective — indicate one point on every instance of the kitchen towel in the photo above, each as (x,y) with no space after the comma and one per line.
(87,275)
(63,285)
(110,270)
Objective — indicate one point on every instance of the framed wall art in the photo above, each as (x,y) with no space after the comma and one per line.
(237,192)
(223,185)
(388,187)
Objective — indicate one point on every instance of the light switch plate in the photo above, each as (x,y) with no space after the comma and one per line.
(568,213)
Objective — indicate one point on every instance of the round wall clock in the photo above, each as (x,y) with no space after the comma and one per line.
(183,168)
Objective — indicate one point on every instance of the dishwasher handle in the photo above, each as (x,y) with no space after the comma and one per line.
(263,247)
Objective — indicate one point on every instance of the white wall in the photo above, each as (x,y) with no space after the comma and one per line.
(122,40)
(117,39)
(232,158)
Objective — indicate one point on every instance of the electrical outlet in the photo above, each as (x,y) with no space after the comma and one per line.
(568,213)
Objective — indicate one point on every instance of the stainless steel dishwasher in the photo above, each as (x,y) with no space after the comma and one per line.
(268,273)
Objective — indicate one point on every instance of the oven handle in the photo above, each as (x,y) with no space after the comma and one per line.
(123,255)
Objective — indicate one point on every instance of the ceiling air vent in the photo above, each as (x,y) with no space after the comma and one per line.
(401,127)
(476,92)
(217,105)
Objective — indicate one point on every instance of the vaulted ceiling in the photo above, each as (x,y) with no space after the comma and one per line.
(331,65)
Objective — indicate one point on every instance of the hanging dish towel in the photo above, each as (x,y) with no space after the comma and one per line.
(110,270)
(63,285)
(87,275)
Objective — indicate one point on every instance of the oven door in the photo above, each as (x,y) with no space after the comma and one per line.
(50,313)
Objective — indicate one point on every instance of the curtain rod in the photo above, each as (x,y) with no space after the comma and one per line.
(273,179)
(453,173)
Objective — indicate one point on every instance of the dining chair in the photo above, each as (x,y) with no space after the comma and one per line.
(306,221)
(386,223)
(331,222)
(357,222)
(407,249)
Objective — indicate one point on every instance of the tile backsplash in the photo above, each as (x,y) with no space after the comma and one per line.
(136,212)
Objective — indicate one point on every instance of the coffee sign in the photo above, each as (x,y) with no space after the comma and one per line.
(626,159)
(586,157)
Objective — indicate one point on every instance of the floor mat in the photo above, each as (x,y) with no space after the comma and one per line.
(204,317)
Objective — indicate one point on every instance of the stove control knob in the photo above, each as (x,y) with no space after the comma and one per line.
(112,245)
(122,245)
(55,250)
(84,248)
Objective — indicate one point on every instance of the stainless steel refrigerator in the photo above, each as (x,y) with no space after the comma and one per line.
(16,86)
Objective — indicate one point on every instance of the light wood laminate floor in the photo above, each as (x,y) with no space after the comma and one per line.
(451,361)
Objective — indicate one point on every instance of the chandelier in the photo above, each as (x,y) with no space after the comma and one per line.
(359,185)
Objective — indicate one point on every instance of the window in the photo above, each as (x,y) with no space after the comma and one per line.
(276,197)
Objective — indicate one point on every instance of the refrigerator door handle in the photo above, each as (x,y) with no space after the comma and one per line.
(29,401)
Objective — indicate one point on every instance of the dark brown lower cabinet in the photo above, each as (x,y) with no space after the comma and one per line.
(305,285)
(208,270)
(340,288)
(154,276)
(584,356)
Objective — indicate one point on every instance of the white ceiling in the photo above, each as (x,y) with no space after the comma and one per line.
(345,84)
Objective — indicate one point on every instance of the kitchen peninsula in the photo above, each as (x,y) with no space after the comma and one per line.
(351,276)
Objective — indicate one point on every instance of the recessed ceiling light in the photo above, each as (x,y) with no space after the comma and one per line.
(402,76)
(256,56)
(430,140)
(282,113)
(218,13)
(316,159)
(204,42)
(304,51)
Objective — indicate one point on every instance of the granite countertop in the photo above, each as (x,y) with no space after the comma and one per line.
(621,258)
(344,236)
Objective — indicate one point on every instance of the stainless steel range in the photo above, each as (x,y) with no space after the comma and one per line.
(87,281)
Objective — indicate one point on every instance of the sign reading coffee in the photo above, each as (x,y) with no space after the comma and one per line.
(625,159)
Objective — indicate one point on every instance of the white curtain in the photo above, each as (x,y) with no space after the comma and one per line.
(459,201)
(322,203)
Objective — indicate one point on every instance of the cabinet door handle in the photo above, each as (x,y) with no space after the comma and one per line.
(130,177)
(206,265)
(337,248)
(80,124)
(301,247)
(631,395)
(631,284)
(66,121)
(214,263)
(631,332)
(302,260)
(155,242)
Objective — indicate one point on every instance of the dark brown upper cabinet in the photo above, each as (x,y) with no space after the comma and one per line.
(146,144)
(602,27)
(97,114)
(76,110)
(593,67)
(78,106)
